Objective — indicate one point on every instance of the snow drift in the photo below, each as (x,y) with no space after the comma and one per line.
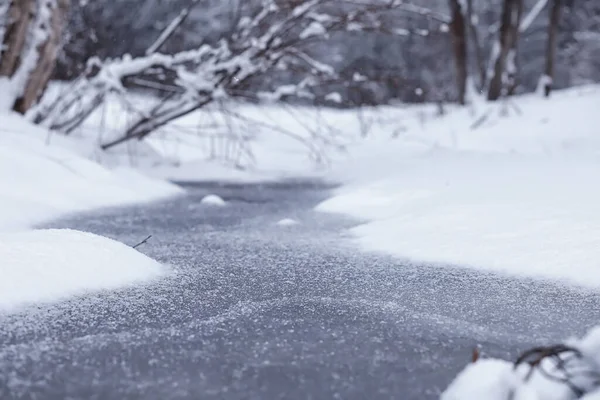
(48,265)
(42,177)
(515,195)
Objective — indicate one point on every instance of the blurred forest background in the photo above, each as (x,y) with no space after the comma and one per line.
(339,53)
(416,66)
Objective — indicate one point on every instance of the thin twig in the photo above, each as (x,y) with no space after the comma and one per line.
(142,242)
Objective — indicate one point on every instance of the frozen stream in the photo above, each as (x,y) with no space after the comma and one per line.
(254,310)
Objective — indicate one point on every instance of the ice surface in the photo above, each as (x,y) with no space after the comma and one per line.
(51,264)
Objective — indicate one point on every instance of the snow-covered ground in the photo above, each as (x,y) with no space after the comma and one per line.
(51,264)
(507,187)
(42,177)
(517,195)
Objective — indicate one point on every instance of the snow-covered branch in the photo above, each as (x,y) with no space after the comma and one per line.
(560,372)
(532,15)
(270,39)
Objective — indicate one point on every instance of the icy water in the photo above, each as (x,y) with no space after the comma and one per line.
(253,310)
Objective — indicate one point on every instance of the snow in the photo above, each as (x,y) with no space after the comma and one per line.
(334,96)
(506,187)
(314,29)
(44,177)
(494,379)
(515,196)
(592,396)
(287,222)
(52,264)
(213,200)
(532,15)
(486,379)
(42,181)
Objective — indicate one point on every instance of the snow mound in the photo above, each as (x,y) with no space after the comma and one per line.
(213,200)
(516,196)
(493,379)
(41,180)
(52,264)
(287,222)
(486,379)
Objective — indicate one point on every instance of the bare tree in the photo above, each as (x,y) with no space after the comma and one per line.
(271,36)
(458,30)
(30,47)
(19,15)
(475,41)
(502,72)
(551,46)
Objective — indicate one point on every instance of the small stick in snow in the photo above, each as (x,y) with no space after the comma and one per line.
(142,242)
(476,354)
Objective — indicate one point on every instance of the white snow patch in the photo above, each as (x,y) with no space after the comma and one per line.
(334,97)
(287,222)
(213,200)
(516,195)
(41,180)
(488,379)
(48,265)
(493,379)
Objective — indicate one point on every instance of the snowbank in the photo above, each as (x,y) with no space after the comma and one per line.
(516,194)
(48,265)
(40,181)
(493,379)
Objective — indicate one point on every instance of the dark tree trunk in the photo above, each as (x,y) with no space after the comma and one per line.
(551,46)
(20,14)
(458,29)
(47,54)
(474,37)
(501,77)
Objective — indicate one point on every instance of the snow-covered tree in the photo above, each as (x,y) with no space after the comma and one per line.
(30,44)
(268,37)
(503,68)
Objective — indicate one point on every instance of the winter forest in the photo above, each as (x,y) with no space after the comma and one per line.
(281,199)
(334,53)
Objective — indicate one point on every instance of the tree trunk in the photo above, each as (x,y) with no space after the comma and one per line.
(551,46)
(30,48)
(474,36)
(20,14)
(47,54)
(458,29)
(503,63)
